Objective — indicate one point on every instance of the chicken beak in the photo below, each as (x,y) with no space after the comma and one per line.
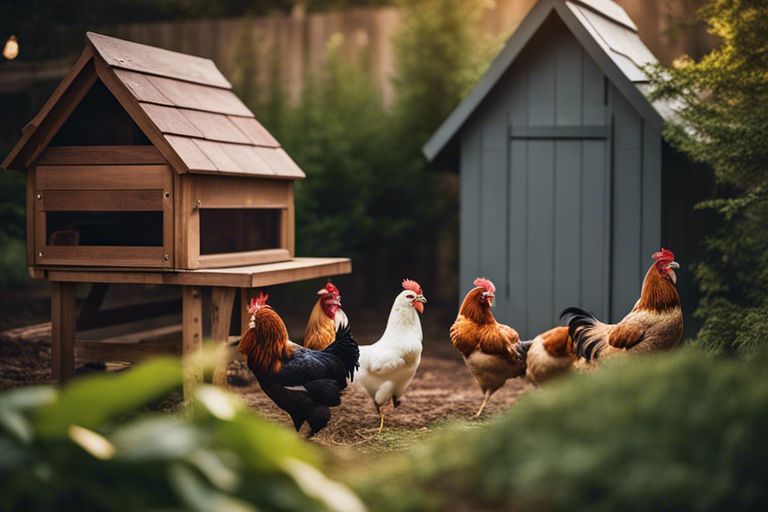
(674,265)
(418,303)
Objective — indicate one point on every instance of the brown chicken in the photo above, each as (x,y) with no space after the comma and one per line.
(654,324)
(326,317)
(492,351)
(551,354)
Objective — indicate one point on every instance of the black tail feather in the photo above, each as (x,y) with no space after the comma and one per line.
(522,348)
(579,322)
(346,349)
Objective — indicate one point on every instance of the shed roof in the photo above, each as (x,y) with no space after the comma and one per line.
(605,31)
(183,104)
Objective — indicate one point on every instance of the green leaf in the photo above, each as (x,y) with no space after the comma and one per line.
(91,402)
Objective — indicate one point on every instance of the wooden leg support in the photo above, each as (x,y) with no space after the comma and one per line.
(63,329)
(222,300)
(192,336)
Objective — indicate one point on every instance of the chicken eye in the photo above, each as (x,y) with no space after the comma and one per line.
(410,297)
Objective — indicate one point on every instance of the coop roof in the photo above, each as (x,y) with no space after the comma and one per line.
(605,31)
(182,103)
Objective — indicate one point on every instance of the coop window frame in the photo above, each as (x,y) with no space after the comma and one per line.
(83,188)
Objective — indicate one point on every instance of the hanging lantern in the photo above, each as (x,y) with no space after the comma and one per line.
(11,48)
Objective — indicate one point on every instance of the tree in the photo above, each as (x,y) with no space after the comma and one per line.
(721,103)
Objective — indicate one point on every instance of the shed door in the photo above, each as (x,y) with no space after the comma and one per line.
(558,227)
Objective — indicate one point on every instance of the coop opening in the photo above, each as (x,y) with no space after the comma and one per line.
(238,230)
(99,120)
(120,228)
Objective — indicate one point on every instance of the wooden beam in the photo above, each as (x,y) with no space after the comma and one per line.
(245,319)
(192,337)
(62,331)
(100,155)
(558,132)
(92,303)
(222,300)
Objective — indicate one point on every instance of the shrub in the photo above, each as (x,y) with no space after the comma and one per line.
(721,105)
(674,432)
(94,446)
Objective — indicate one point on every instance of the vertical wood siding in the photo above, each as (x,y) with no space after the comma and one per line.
(536,213)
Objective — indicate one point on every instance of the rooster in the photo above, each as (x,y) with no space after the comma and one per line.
(388,366)
(304,383)
(492,351)
(325,319)
(551,354)
(655,323)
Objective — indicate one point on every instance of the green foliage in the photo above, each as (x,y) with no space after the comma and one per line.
(722,120)
(13,257)
(682,431)
(94,446)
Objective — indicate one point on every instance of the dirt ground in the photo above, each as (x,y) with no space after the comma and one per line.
(442,392)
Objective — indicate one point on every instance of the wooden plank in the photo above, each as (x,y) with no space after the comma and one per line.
(222,300)
(593,92)
(10,161)
(192,156)
(107,177)
(231,192)
(198,97)
(540,240)
(63,329)
(132,313)
(30,215)
(102,200)
(469,217)
(288,233)
(518,229)
(192,337)
(568,80)
(215,126)
(541,87)
(250,276)
(157,61)
(100,155)
(280,162)
(236,259)
(94,255)
(651,197)
(170,120)
(568,229)
(559,132)
(627,262)
(245,319)
(141,87)
(594,245)
(218,154)
(254,131)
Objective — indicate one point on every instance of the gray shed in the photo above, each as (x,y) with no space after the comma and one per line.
(567,186)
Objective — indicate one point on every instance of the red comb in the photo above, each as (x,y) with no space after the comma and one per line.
(663,255)
(331,288)
(409,284)
(485,283)
(258,302)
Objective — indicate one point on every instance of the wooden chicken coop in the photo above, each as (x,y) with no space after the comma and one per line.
(144,167)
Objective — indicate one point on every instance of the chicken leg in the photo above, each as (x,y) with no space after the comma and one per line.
(381,415)
(482,405)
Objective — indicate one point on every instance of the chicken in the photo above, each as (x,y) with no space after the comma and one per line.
(654,324)
(388,366)
(304,383)
(550,355)
(325,319)
(492,351)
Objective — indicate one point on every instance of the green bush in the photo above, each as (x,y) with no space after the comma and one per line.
(95,446)
(674,432)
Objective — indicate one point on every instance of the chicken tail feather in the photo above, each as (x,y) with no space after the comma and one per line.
(346,349)
(580,329)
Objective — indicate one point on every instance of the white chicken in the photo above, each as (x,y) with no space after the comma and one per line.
(388,366)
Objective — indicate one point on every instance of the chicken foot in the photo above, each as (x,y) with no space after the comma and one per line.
(482,405)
